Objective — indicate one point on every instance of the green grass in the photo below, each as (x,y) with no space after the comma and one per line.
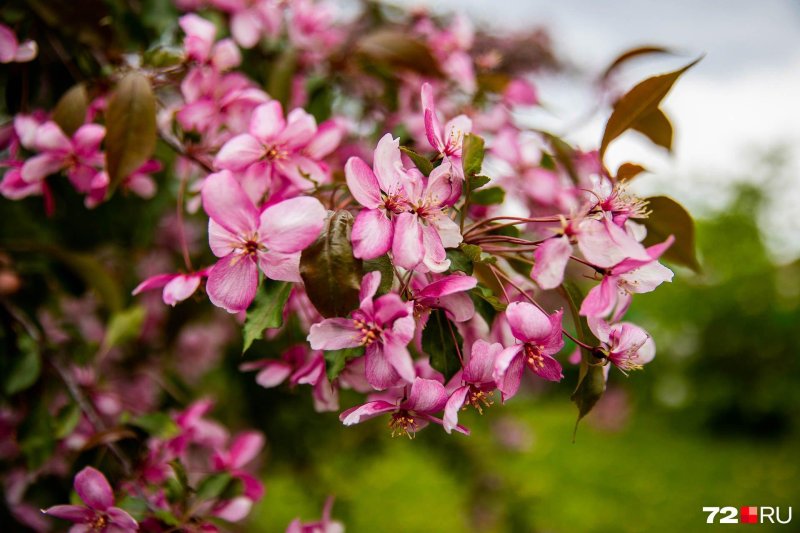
(646,477)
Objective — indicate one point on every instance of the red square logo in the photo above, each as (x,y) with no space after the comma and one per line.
(748,515)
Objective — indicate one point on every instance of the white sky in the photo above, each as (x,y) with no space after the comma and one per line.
(740,100)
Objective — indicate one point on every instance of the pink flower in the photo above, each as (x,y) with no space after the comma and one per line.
(200,46)
(446,292)
(177,287)
(383,326)
(478,383)
(541,339)
(446,141)
(550,260)
(278,147)
(626,345)
(243,449)
(624,279)
(98,514)
(12,51)
(252,19)
(79,156)
(409,415)
(605,244)
(246,240)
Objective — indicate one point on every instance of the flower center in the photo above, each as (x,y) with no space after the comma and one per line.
(369,331)
(478,399)
(274,153)
(395,203)
(402,423)
(533,356)
(99,522)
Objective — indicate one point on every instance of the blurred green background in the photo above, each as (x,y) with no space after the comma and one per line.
(713,421)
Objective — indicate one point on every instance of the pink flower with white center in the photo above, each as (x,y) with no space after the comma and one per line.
(382,193)
(409,415)
(98,513)
(446,292)
(79,156)
(478,383)
(177,287)
(626,345)
(630,276)
(541,339)
(246,240)
(252,19)
(324,525)
(422,233)
(448,140)
(200,46)
(384,327)
(12,51)
(277,147)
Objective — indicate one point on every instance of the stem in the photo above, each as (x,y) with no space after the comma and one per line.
(178,148)
(455,343)
(576,341)
(520,220)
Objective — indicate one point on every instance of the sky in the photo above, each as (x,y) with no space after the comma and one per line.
(738,102)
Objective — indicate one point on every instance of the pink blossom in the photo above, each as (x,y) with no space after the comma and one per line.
(79,156)
(177,287)
(605,244)
(383,326)
(252,19)
(624,279)
(243,449)
(550,260)
(448,140)
(477,383)
(541,339)
(626,345)
(98,513)
(12,51)
(409,415)
(445,292)
(200,46)
(275,147)
(245,240)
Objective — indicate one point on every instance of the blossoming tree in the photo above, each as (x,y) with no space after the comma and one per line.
(350,200)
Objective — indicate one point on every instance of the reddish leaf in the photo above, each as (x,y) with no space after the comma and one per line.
(639,102)
(668,217)
(631,54)
(70,111)
(628,171)
(399,49)
(656,127)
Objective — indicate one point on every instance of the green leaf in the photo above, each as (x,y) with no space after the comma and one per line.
(476,254)
(476,182)
(441,341)
(70,111)
(36,436)
(279,85)
(266,311)
(398,50)
(166,516)
(136,507)
(93,273)
(383,265)
(490,196)
(332,275)
(668,217)
(67,420)
(124,326)
(157,424)
(640,101)
(459,261)
(335,360)
(485,294)
(589,390)
(213,486)
(130,127)
(25,367)
(472,152)
(420,161)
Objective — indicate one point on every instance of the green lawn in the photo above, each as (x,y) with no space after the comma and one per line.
(646,477)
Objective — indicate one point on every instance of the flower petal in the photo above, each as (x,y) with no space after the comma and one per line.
(407,244)
(508,368)
(480,368)
(233,282)
(281,267)
(267,121)
(154,282)
(333,334)
(93,488)
(359,413)
(73,513)
(550,261)
(372,234)
(228,205)
(122,520)
(380,373)
(388,164)
(362,183)
(239,153)
(426,396)
(292,225)
(528,322)
(453,406)
(180,288)
(273,374)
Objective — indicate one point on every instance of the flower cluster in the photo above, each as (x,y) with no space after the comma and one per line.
(355,194)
